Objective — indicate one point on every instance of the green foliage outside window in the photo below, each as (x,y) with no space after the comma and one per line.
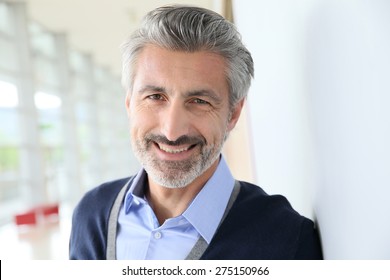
(9,158)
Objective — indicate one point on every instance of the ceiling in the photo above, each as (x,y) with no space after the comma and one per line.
(98,26)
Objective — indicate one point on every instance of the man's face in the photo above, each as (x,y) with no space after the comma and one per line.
(179,114)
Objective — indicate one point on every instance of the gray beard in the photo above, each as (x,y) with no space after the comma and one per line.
(176,174)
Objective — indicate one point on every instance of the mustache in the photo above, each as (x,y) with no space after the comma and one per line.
(182,140)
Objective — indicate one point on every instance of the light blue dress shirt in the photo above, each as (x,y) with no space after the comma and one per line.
(141,237)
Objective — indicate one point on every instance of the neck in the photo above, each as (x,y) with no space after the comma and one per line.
(168,203)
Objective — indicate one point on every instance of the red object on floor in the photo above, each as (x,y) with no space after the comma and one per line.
(30,217)
(47,210)
(27,218)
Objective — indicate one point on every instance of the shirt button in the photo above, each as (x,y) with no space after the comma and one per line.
(157,235)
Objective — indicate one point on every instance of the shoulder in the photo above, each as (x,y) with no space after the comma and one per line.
(105,192)
(90,221)
(262,226)
(253,199)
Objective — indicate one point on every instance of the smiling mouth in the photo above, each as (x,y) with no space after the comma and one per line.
(173,150)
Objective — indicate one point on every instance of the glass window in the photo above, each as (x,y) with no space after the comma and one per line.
(89,142)
(5,19)
(9,95)
(113,131)
(8,55)
(87,119)
(46,72)
(79,63)
(49,111)
(48,102)
(42,42)
(51,138)
(9,142)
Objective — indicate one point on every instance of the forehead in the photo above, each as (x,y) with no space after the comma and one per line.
(159,65)
(151,51)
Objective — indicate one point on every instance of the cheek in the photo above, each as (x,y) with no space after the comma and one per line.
(214,132)
(142,121)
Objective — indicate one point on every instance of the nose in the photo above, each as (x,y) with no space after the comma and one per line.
(175,121)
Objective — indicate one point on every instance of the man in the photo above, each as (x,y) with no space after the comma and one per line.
(186,74)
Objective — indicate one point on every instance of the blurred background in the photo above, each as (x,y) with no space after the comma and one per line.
(316,126)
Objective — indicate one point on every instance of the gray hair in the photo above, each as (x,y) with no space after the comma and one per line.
(191,29)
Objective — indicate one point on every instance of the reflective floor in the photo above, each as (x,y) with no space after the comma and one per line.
(47,240)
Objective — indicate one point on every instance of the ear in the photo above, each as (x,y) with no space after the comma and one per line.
(127,103)
(235,114)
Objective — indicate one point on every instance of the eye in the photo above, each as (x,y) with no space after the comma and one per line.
(155,96)
(200,101)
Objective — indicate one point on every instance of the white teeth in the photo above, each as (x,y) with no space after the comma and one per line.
(168,150)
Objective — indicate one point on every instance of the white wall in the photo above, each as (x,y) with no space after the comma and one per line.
(319,115)
(282,138)
(349,72)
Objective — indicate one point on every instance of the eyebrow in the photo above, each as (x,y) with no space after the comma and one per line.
(150,88)
(194,93)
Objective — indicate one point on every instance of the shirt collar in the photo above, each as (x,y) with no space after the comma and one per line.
(206,210)
(136,192)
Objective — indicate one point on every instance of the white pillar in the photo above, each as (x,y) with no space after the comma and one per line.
(72,159)
(32,173)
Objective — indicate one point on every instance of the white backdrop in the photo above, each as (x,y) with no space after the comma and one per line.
(319,114)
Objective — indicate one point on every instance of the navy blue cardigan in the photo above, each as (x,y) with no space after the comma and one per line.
(258,226)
